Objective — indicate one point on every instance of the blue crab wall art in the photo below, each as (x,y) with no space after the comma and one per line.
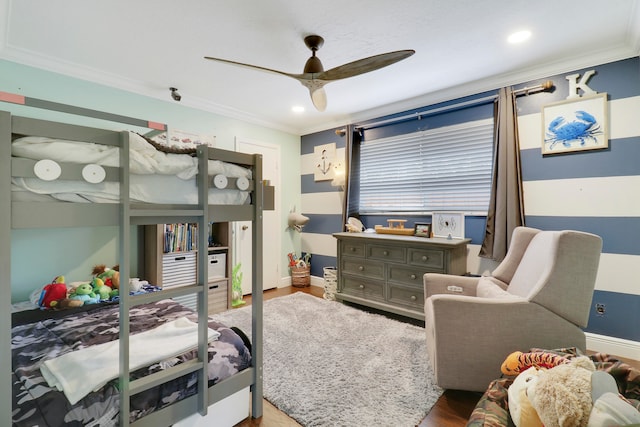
(582,128)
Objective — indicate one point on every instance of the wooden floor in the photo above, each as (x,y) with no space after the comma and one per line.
(452,409)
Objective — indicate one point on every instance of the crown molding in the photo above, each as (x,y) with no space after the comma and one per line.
(551,68)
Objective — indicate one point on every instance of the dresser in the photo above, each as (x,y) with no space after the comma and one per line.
(384,271)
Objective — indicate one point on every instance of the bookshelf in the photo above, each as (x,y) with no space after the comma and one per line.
(170,260)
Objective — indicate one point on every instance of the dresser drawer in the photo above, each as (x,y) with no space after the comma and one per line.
(178,269)
(428,258)
(369,289)
(351,248)
(407,296)
(386,253)
(362,267)
(406,275)
(218,297)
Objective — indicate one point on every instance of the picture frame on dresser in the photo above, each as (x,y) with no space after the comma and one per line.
(449,225)
(422,229)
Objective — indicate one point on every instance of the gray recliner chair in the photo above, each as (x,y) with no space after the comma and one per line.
(538,297)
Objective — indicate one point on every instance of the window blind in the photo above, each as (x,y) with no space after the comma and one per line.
(447,168)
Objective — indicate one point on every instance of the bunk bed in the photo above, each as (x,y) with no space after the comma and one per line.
(74,206)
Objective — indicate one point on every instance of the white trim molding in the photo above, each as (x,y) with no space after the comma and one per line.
(614,346)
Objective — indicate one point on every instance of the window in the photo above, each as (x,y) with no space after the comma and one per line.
(448,168)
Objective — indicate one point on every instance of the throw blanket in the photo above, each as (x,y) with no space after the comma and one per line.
(82,371)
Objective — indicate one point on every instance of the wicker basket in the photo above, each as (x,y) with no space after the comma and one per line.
(301,276)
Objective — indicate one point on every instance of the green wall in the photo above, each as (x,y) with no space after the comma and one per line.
(38,255)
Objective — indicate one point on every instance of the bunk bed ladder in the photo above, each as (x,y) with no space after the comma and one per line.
(131,216)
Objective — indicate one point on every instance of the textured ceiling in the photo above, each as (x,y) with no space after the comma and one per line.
(147,46)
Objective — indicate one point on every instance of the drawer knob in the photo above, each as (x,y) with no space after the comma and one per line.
(361,268)
(413,277)
(361,286)
(385,253)
(425,258)
(413,298)
(352,249)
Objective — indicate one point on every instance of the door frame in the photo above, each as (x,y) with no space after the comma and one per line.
(271,235)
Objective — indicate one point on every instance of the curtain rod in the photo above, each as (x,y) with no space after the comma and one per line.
(546,86)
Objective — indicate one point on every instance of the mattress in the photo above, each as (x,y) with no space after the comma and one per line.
(38,336)
(155,176)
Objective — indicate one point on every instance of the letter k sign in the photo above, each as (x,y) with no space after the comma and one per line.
(575,84)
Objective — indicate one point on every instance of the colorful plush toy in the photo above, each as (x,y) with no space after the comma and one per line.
(52,293)
(84,292)
(110,276)
(518,362)
(569,394)
(101,289)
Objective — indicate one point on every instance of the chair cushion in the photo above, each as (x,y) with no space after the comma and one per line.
(487,288)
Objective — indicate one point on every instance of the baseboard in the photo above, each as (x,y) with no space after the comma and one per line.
(315,281)
(614,346)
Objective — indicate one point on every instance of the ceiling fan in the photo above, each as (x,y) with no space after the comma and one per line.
(314,77)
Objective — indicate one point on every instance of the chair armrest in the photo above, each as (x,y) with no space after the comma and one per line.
(436,283)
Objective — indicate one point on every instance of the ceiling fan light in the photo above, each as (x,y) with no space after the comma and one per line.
(319,99)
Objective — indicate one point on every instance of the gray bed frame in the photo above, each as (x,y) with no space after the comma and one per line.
(126,214)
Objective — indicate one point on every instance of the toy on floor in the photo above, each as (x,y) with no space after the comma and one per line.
(236,286)
(52,293)
(570,393)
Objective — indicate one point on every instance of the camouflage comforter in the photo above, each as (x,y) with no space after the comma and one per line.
(37,336)
(493,408)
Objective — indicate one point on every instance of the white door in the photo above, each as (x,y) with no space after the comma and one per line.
(243,230)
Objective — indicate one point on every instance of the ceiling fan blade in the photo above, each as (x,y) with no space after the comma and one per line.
(256,67)
(364,65)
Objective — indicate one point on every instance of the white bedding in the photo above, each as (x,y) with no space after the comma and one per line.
(79,372)
(156,177)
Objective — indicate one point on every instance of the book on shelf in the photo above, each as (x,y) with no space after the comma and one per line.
(183,237)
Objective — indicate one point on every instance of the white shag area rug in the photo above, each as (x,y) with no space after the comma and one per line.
(328,364)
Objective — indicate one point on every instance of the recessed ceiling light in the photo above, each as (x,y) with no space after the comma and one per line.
(519,36)
(297,109)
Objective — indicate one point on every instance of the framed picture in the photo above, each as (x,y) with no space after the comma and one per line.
(575,125)
(449,225)
(422,229)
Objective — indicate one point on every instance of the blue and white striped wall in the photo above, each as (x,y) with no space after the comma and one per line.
(596,191)
(322,203)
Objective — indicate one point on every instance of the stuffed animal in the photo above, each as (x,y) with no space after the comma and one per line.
(101,289)
(52,293)
(110,276)
(518,361)
(84,292)
(569,394)
(68,303)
